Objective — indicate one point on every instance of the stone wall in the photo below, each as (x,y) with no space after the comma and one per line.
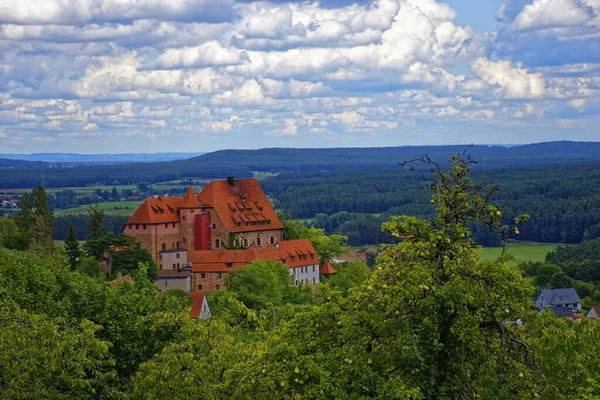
(209,280)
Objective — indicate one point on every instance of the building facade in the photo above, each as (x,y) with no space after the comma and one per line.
(229,224)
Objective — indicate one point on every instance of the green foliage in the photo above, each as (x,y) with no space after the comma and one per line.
(42,357)
(96,225)
(348,276)
(567,353)
(73,248)
(36,219)
(327,247)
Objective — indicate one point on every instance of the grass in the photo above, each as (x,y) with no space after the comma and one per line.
(79,190)
(126,208)
(523,251)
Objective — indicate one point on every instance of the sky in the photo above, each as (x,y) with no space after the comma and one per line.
(115,76)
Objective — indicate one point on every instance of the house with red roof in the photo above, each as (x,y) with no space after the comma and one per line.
(197,239)
(594,313)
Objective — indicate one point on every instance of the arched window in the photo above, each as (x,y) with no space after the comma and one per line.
(272,240)
(177,255)
(164,246)
(258,242)
(246,242)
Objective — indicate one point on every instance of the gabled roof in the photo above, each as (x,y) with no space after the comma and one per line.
(558,297)
(302,251)
(157,211)
(327,269)
(242,206)
(595,309)
(197,301)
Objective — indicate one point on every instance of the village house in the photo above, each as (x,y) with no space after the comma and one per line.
(594,313)
(197,239)
(559,300)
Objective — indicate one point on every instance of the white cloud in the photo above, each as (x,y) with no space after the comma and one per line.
(81,11)
(351,118)
(513,82)
(552,13)
(206,54)
(249,94)
(578,104)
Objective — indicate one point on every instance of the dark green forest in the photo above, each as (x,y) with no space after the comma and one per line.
(562,201)
(242,163)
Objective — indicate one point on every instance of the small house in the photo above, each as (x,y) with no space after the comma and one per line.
(594,313)
(552,298)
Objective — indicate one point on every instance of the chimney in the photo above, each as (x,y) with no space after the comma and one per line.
(230,180)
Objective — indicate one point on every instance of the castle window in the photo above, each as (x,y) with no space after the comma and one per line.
(183,218)
(199,287)
(313,268)
(144,226)
(130,226)
(174,266)
(246,242)
(203,275)
(177,255)
(173,224)
(229,265)
(293,258)
(183,240)
(219,275)
(177,246)
(137,226)
(208,243)
(258,241)
(284,261)
(218,287)
(178,265)
(164,247)
(272,240)
(214,226)
(166,225)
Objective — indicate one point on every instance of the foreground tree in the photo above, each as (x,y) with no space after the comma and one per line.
(36,219)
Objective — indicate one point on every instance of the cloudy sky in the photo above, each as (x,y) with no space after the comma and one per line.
(96,76)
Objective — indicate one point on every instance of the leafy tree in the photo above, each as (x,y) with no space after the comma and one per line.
(73,248)
(96,224)
(41,357)
(327,247)
(36,218)
(348,275)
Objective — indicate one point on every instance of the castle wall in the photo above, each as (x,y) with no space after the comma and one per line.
(208,281)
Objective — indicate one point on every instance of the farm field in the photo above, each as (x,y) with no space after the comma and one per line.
(523,251)
(110,208)
(79,190)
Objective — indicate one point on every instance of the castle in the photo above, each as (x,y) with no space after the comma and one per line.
(197,239)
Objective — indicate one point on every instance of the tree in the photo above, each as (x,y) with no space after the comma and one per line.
(96,224)
(327,247)
(73,248)
(348,275)
(36,218)
(114,194)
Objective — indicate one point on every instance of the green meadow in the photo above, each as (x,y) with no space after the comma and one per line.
(523,251)
(110,208)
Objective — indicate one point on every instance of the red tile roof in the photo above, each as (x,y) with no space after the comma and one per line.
(327,269)
(157,211)
(189,200)
(120,278)
(296,253)
(242,207)
(197,300)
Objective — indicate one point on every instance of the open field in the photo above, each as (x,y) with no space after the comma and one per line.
(79,190)
(523,251)
(109,208)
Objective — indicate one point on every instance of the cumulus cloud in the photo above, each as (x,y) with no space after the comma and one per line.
(206,54)
(386,68)
(512,82)
(69,12)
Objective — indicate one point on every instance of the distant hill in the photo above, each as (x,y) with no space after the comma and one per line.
(242,163)
(83,159)
(10,163)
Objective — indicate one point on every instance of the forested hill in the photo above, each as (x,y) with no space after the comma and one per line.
(563,201)
(9,163)
(299,160)
(241,163)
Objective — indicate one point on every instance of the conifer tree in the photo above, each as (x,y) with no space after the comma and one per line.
(96,224)
(36,219)
(72,248)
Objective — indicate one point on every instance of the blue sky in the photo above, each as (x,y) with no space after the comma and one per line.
(96,76)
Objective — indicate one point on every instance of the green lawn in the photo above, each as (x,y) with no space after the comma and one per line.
(110,208)
(523,251)
(80,190)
